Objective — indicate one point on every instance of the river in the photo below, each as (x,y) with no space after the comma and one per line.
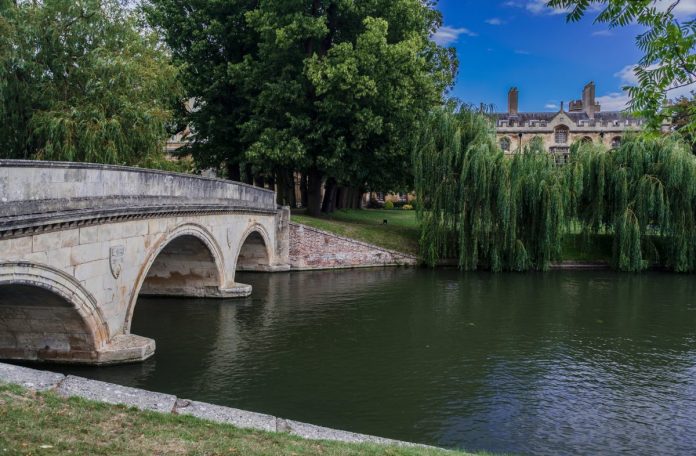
(584,362)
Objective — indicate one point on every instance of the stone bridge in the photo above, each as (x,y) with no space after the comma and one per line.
(79,243)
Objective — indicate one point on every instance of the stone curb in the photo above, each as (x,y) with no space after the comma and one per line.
(72,386)
(94,390)
(355,241)
(29,378)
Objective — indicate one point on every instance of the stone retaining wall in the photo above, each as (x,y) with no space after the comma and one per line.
(311,248)
(72,386)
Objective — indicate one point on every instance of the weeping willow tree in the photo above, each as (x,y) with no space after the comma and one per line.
(644,193)
(476,205)
(82,81)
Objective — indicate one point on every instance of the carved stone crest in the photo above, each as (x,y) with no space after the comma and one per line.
(116,255)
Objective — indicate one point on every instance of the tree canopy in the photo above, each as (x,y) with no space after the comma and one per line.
(668,44)
(330,88)
(82,81)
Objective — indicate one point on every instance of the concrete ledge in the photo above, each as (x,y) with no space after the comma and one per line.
(220,414)
(29,378)
(126,348)
(115,394)
(312,432)
(239,290)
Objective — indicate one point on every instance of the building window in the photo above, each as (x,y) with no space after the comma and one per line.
(505,144)
(560,154)
(561,135)
(587,140)
(616,142)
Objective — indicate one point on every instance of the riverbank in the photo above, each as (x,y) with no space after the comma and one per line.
(49,414)
(401,233)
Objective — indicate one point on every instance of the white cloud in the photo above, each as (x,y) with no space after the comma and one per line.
(521,52)
(536,6)
(494,21)
(447,35)
(615,101)
(685,8)
(602,33)
(627,75)
(551,106)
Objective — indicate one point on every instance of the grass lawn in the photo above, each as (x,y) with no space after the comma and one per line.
(400,233)
(46,424)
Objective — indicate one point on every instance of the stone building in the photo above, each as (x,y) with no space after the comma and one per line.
(584,121)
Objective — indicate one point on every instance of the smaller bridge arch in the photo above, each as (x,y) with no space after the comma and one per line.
(254,250)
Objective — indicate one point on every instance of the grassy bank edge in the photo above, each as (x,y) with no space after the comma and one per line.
(45,423)
(401,233)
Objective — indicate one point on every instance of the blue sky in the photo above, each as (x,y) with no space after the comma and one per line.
(523,43)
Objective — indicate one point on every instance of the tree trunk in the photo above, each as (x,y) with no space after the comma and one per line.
(248,175)
(286,190)
(304,191)
(233,172)
(314,183)
(329,203)
(341,197)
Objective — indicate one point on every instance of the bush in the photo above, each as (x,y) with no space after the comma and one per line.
(407,207)
(389,205)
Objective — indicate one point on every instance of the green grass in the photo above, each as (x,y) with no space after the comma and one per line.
(46,424)
(367,225)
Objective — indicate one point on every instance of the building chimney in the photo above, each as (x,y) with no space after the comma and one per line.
(588,100)
(513,101)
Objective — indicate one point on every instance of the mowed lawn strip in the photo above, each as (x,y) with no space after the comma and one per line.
(400,233)
(46,424)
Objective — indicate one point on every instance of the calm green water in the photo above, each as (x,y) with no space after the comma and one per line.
(558,363)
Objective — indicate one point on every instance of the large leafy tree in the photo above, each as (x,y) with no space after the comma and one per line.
(668,44)
(330,88)
(83,81)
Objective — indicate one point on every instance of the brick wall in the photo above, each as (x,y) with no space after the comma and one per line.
(311,248)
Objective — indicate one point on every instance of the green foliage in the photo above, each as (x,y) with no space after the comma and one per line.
(389,205)
(81,81)
(668,44)
(331,88)
(644,192)
(475,204)
(407,207)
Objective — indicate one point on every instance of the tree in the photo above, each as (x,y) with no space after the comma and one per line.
(82,81)
(683,111)
(644,193)
(668,44)
(475,204)
(330,88)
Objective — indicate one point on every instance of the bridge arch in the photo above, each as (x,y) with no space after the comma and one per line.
(187,261)
(254,250)
(46,314)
